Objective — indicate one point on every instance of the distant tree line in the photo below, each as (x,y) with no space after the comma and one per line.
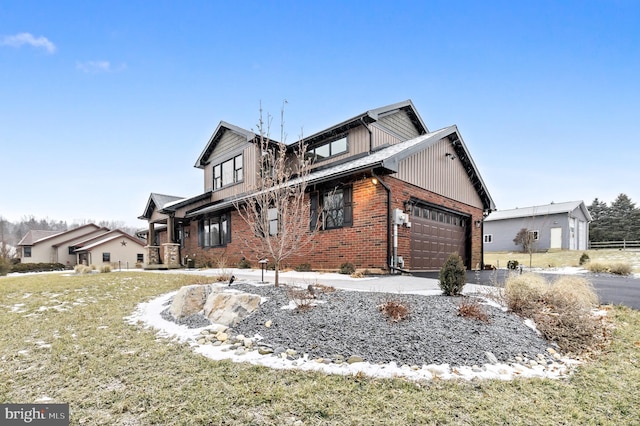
(11,233)
(616,222)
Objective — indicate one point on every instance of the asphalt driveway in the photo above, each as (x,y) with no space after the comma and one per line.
(612,289)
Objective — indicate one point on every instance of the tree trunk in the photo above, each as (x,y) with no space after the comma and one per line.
(277,283)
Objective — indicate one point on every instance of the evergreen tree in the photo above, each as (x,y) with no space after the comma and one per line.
(600,216)
(624,225)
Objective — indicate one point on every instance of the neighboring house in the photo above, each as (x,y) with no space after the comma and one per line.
(555,226)
(373,171)
(80,245)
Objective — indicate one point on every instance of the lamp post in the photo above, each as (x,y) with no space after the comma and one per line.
(263,264)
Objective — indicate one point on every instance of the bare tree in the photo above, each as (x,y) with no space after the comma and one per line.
(527,239)
(278,212)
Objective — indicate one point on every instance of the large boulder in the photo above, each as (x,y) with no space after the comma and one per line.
(229,308)
(191,299)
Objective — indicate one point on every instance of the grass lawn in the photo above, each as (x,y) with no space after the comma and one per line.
(64,337)
(556,259)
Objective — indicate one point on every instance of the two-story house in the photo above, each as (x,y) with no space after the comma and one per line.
(408,197)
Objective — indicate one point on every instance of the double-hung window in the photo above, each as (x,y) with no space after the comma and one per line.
(331,209)
(228,172)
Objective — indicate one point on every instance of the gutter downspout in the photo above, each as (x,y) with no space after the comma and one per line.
(370,134)
(388,189)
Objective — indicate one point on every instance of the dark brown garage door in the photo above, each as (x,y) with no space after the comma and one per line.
(435,234)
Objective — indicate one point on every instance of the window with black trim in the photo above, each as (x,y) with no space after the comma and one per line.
(214,231)
(329,149)
(228,172)
(333,208)
(106,257)
(140,258)
(26,251)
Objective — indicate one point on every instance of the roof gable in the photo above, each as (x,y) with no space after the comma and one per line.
(38,237)
(368,117)
(222,128)
(157,202)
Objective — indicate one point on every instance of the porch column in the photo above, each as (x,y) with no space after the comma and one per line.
(170,229)
(150,234)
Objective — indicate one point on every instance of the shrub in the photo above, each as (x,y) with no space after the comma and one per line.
(512,264)
(521,292)
(347,268)
(394,310)
(597,267)
(5,266)
(244,264)
(471,308)
(561,311)
(37,267)
(453,276)
(105,269)
(569,291)
(302,298)
(303,267)
(617,268)
(83,269)
(620,268)
(584,259)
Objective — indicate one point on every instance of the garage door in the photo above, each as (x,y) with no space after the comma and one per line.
(435,234)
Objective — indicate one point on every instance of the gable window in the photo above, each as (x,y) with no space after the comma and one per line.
(214,231)
(26,251)
(228,172)
(488,238)
(332,208)
(329,149)
(106,257)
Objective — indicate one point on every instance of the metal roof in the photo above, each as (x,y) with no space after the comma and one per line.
(544,210)
(387,158)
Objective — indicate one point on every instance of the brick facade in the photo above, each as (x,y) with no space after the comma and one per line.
(364,244)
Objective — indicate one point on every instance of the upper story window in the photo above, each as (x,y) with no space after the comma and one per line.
(329,149)
(228,172)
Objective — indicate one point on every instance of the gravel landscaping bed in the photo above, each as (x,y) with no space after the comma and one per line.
(347,323)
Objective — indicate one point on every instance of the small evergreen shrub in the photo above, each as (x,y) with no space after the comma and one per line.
(303,267)
(584,259)
(5,266)
(244,264)
(347,268)
(512,264)
(453,276)
(37,267)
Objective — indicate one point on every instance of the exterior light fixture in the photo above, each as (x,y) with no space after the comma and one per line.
(374,181)
(450,156)
(478,223)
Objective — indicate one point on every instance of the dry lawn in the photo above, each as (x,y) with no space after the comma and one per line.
(558,259)
(64,337)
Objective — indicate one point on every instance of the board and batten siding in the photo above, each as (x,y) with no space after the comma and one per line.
(400,124)
(229,145)
(249,172)
(431,170)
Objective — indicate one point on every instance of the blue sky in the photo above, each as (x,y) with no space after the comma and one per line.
(102,103)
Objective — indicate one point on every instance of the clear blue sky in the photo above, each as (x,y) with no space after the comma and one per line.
(102,102)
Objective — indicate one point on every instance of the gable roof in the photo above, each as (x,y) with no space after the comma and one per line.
(110,236)
(387,159)
(38,236)
(35,235)
(222,128)
(370,117)
(157,201)
(544,210)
